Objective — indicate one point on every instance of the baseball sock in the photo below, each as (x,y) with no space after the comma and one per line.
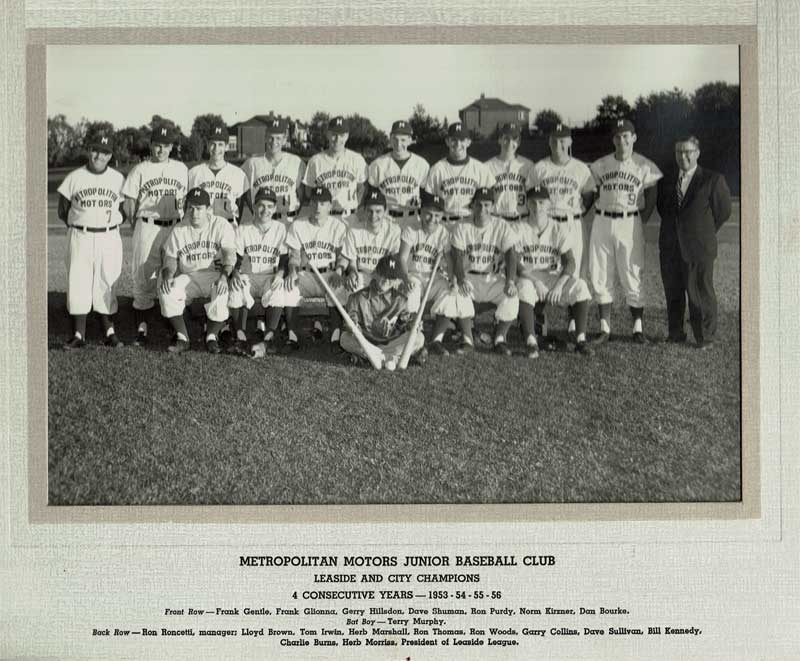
(442,324)
(241,335)
(336,323)
(273,318)
(213,329)
(637,313)
(581,319)
(605,317)
(141,320)
(108,324)
(502,331)
(269,335)
(527,318)
(260,325)
(292,335)
(335,335)
(465,324)
(572,324)
(79,325)
(179,324)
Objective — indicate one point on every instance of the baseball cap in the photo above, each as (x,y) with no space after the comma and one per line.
(218,132)
(266,194)
(483,194)
(457,130)
(198,196)
(401,127)
(338,125)
(321,194)
(622,125)
(561,131)
(162,134)
(101,141)
(374,196)
(538,193)
(429,201)
(388,266)
(277,125)
(511,128)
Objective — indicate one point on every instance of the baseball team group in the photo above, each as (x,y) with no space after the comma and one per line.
(382,243)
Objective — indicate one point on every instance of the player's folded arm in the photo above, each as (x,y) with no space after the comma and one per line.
(650,199)
(63,208)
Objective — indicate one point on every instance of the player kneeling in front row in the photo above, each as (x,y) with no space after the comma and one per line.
(546,263)
(482,248)
(381,313)
(199,256)
(257,275)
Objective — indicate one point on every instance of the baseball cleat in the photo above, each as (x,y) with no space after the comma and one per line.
(532,351)
(178,346)
(141,340)
(260,334)
(583,348)
(676,339)
(465,348)
(335,347)
(502,349)
(113,341)
(602,338)
(705,345)
(316,334)
(291,345)
(239,347)
(421,357)
(639,338)
(75,343)
(226,337)
(390,365)
(258,350)
(212,346)
(438,349)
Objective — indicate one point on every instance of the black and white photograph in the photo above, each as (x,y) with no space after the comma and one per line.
(393,274)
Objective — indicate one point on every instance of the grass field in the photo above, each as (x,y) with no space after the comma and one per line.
(656,423)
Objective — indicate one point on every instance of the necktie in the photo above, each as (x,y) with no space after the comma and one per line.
(679,190)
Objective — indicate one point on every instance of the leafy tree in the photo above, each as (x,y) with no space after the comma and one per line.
(61,140)
(316,130)
(201,130)
(365,136)
(546,120)
(427,129)
(611,109)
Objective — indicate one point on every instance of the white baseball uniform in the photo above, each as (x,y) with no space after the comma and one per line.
(425,248)
(283,177)
(224,187)
(400,184)
(565,185)
(364,248)
(159,190)
(484,249)
(616,246)
(540,261)
(510,200)
(94,246)
(199,256)
(341,175)
(260,250)
(456,184)
(321,245)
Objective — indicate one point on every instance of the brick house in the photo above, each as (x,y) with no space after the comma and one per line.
(484,115)
(248,137)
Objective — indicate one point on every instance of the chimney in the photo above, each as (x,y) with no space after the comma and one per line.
(483,96)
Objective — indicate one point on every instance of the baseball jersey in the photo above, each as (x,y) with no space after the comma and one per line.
(224,187)
(261,249)
(564,183)
(541,252)
(200,249)
(483,247)
(321,242)
(509,188)
(365,248)
(456,184)
(282,177)
(94,198)
(400,184)
(341,175)
(365,306)
(158,188)
(425,248)
(621,183)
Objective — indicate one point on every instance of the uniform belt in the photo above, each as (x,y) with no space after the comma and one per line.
(156,221)
(480,272)
(394,213)
(451,218)
(83,228)
(518,216)
(322,270)
(341,212)
(287,214)
(618,214)
(564,219)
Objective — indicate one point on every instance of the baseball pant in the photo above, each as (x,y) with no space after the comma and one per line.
(392,350)
(307,286)
(575,290)
(148,241)
(258,286)
(575,228)
(188,286)
(486,288)
(94,264)
(616,252)
(695,280)
(420,281)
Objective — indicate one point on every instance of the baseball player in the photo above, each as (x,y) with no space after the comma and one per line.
(154,192)
(400,175)
(277,170)
(511,173)
(365,244)
(89,203)
(571,187)
(226,184)
(257,274)
(458,176)
(485,270)
(199,257)
(342,171)
(381,313)
(546,270)
(616,245)
(319,239)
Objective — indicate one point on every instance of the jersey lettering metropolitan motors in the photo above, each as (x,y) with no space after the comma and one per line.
(565,184)
(484,247)
(224,187)
(200,249)
(321,242)
(425,248)
(282,177)
(94,198)
(341,175)
(457,183)
(509,188)
(158,188)
(541,252)
(261,251)
(364,248)
(400,184)
(620,183)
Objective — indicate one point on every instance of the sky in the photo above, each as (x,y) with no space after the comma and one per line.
(126,85)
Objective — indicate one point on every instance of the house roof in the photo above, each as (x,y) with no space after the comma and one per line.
(493,103)
(256,120)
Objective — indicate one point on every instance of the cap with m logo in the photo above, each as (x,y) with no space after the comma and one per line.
(338,125)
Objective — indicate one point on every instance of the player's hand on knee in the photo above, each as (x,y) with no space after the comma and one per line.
(237,284)
(335,280)
(277,283)
(465,288)
(511,288)
(554,295)
(406,287)
(541,290)
(166,286)
(222,284)
(352,281)
(289,282)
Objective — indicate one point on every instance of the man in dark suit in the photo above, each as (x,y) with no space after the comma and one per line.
(693,204)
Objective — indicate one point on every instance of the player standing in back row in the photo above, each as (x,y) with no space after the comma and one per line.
(511,173)
(400,175)
(616,246)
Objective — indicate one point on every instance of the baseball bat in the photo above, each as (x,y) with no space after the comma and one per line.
(374,354)
(409,348)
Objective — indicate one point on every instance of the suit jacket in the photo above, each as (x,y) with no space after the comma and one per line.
(705,207)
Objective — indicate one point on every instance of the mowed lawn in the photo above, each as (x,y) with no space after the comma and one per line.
(656,423)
